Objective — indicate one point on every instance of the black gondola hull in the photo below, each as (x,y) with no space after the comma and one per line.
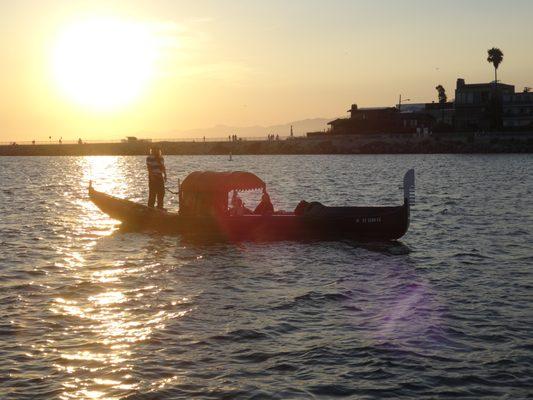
(359,223)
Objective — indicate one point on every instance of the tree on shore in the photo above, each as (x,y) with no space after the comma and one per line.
(495,58)
(442,94)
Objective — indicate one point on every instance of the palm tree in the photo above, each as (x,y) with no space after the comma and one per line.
(495,58)
(442,94)
(442,101)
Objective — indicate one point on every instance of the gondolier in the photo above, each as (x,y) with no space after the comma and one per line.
(157,175)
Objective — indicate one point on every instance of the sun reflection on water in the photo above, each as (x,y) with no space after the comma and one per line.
(106,172)
(113,328)
(105,307)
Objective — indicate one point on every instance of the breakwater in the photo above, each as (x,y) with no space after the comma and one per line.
(325,144)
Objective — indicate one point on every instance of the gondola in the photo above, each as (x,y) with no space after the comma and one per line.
(203,212)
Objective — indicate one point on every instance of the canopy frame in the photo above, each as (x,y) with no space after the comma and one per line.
(206,192)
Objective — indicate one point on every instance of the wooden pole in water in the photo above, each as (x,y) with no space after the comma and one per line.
(179,193)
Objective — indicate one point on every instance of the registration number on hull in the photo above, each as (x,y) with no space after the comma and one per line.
(368,220)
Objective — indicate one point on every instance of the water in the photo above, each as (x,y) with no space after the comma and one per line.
(88,312)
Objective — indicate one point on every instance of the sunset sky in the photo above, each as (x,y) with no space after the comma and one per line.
(104,70)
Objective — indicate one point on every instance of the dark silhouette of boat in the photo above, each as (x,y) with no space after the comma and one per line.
(204,212)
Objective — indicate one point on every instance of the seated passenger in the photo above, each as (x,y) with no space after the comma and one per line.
(237,205)
(301,207)
(265,207)
(246,210)
(305,208)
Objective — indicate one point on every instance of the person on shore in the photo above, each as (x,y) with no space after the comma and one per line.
(265,207)
(157,175)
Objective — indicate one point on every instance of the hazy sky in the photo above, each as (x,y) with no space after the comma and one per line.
(191,64)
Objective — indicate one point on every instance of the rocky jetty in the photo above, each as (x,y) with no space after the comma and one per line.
(327,144)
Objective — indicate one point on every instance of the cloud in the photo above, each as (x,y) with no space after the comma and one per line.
(227,71)
(186,51)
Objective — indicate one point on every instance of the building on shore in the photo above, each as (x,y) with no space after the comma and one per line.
(478,106)
(518,111)
(443,113)
(381,120)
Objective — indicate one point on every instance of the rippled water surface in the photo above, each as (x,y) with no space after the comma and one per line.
(89,312)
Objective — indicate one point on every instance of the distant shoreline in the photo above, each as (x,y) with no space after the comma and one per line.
(453,143)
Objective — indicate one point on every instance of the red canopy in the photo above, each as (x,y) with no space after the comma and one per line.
(206,193)
(209,181)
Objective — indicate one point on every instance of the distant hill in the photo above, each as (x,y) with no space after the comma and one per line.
(300,128)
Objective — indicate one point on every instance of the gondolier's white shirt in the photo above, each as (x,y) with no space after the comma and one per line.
(155,165)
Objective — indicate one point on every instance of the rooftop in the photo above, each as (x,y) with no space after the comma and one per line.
(462,84)
(371,109)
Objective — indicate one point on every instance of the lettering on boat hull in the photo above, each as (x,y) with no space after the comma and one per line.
(368,220)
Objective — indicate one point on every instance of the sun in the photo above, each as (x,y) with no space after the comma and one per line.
(104,63)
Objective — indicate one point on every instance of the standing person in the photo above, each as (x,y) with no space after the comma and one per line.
(157,175)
